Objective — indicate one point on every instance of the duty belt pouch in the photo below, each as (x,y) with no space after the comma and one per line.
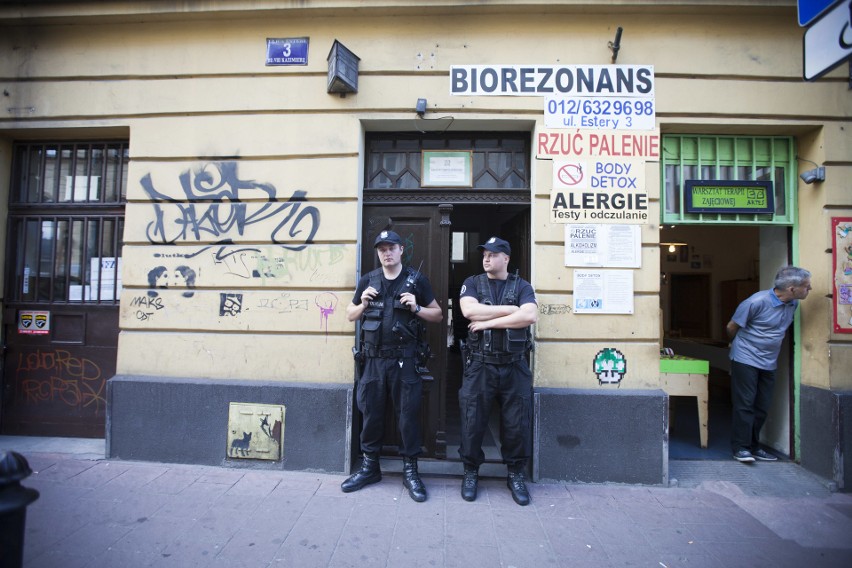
(371,331)
(516,340)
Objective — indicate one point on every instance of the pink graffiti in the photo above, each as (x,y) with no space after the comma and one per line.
(326,302)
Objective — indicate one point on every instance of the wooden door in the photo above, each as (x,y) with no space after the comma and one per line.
(690,305)
(425,233)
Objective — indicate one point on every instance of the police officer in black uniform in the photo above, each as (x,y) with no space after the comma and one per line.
(501,308)
(390,302)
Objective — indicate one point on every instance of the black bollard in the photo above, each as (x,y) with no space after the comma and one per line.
(13,508)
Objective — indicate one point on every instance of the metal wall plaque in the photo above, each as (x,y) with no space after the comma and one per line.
(255,431)
(287,51)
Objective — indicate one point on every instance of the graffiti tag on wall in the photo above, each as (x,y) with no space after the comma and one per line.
(215,208)
(58,376)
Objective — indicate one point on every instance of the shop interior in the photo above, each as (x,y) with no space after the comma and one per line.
(705,272)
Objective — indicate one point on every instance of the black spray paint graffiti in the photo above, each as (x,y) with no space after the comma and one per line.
(223,215)
(230,304)
(146,306)
(183,276)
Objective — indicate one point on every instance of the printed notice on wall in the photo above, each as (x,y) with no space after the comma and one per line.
(603,291)
(608,246)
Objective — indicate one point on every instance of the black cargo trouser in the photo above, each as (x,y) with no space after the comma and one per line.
(510,384)
(751,396)
(382,379)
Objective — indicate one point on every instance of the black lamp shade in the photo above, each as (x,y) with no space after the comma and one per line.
(342,69)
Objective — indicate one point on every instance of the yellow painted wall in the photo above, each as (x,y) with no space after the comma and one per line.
(188,82)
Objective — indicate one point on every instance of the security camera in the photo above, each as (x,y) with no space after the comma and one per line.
(814,175)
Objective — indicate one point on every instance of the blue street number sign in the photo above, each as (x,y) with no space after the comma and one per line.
(287,51)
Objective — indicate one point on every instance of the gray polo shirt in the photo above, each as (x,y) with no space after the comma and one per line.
(763,321)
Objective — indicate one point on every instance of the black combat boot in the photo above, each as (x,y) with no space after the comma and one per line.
(370,472)
(469,483)
(411,480)
(518,487)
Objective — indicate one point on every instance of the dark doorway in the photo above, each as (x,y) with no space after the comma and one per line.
(442,227)
(474,224)
(63,282)
(428,232)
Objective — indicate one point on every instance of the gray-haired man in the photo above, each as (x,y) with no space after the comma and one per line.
(756,331)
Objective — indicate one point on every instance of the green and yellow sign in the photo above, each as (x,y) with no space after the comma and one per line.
(715,196)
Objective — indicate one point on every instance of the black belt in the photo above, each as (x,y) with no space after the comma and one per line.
(389,352)
(494,358)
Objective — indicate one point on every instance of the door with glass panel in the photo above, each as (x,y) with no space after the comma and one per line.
(63,281)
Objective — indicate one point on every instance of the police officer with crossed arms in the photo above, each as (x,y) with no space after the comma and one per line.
(501,308)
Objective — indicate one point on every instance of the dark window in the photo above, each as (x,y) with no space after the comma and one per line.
(500,161)
(66,222)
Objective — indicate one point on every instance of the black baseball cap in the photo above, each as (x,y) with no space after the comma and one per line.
(496,244)
(387,237)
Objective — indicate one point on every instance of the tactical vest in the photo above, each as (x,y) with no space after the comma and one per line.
(380,316)
(511,343)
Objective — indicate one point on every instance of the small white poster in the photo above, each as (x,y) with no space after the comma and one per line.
(609,246)
(603,291)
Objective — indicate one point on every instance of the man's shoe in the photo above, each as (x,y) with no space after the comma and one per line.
(743,456)
(370,472)
(411,480)
(469,483)
(516,484)
(763,455)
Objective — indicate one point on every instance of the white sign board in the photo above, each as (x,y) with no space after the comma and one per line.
(599,173)
(613,246)
(541,80)
(605,113)
(828,42)
(622,144)
(599,190)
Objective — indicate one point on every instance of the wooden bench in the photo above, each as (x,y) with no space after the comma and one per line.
(684,376)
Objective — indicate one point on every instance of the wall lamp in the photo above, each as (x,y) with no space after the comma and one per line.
(814,175)
(673,246)
(342,70)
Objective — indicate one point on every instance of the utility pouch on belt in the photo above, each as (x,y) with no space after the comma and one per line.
(515,340)
(371,331)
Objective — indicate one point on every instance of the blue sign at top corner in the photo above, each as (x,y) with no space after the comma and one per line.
(810,9)
(287,51)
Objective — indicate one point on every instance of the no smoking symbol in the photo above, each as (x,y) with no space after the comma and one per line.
(570,174)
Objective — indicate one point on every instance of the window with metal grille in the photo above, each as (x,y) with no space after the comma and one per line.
(500,161)
(66,222)
(728,158)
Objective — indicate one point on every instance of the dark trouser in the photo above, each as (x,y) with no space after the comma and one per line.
(383,378)
(510,384)
(751,395)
